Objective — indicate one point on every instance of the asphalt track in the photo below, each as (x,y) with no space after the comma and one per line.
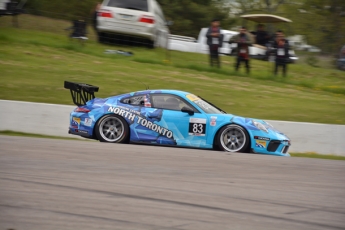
(56,184)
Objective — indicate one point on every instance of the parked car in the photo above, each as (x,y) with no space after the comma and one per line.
(169,118)
(139,21)
(190,44)
(341,59)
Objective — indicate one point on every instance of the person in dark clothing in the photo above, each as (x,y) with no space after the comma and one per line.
(214,41)
(262,36)
(243,40)
(281,46)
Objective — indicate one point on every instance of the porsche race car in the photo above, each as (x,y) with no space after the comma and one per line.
(169,118)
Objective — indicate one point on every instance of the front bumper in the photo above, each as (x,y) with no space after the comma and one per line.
(272,147)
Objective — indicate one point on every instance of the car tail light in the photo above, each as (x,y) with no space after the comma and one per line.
(147,19)
(105,14)
(81,110)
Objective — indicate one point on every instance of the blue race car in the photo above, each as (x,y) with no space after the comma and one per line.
(169,118)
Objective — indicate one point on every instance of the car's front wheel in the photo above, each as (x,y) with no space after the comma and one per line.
(233,138)
(112,128)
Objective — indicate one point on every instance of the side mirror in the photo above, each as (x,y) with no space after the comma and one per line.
(187,110)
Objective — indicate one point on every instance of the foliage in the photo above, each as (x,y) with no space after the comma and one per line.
(62,9)
(190,16)
(322,22)
(312,60)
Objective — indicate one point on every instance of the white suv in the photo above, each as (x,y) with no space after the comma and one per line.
(132,20)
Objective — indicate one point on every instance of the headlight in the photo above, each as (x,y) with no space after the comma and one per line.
(269,124)
(260,126)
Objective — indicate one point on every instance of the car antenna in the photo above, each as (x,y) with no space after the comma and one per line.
(147,87)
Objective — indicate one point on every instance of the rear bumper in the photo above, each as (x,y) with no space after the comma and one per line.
(81,133)
(142,31)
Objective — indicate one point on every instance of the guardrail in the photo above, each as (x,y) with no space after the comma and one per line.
(51,119)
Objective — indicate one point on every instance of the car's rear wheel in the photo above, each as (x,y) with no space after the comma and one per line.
(113,129)
(233,138)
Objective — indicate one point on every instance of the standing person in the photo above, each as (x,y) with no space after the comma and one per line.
(282,52)
(261,35)
(94,15)
(214,41)
(243,40)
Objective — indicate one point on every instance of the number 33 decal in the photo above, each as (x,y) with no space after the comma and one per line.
(197,127)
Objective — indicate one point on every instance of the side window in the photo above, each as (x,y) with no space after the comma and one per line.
(135,100)
(170,102)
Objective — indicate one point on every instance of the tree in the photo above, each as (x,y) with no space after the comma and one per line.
(190,16)
(324,23)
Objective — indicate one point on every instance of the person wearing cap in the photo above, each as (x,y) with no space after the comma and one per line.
(243,40)
(214,41)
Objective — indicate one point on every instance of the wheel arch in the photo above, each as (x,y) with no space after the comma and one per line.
(216,147)
(115,115)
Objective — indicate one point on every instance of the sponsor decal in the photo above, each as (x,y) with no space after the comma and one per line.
(88,122)
(213,121)
(260,144)
(192,97)
(83,131)
(262,138)
(75,122)
(132,115)
(197,126)
(147,102)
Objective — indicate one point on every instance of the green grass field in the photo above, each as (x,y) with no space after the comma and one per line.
(36,58)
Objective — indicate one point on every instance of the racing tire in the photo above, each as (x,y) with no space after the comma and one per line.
(112,129)
(233,138)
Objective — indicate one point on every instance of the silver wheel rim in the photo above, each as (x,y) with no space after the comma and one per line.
(111,129)
(233,139)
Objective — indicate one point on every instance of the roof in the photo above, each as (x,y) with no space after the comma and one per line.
(265,18)
(169,91)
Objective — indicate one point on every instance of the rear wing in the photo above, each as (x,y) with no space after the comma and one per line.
(81,92)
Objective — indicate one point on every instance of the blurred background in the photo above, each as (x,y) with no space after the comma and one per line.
(38,54)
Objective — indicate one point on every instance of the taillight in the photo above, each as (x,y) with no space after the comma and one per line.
(105,14)
(147,19)
(81,110)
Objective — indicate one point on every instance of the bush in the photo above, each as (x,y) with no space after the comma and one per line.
(312,60)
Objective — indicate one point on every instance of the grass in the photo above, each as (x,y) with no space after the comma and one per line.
(36,58)
(318,156)
(21,134)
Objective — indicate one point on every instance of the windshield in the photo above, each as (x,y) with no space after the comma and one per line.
(206,106)
(129,4)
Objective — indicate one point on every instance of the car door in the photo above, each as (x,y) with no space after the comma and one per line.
(188,128)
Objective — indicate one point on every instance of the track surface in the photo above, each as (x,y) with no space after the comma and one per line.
(56,184)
